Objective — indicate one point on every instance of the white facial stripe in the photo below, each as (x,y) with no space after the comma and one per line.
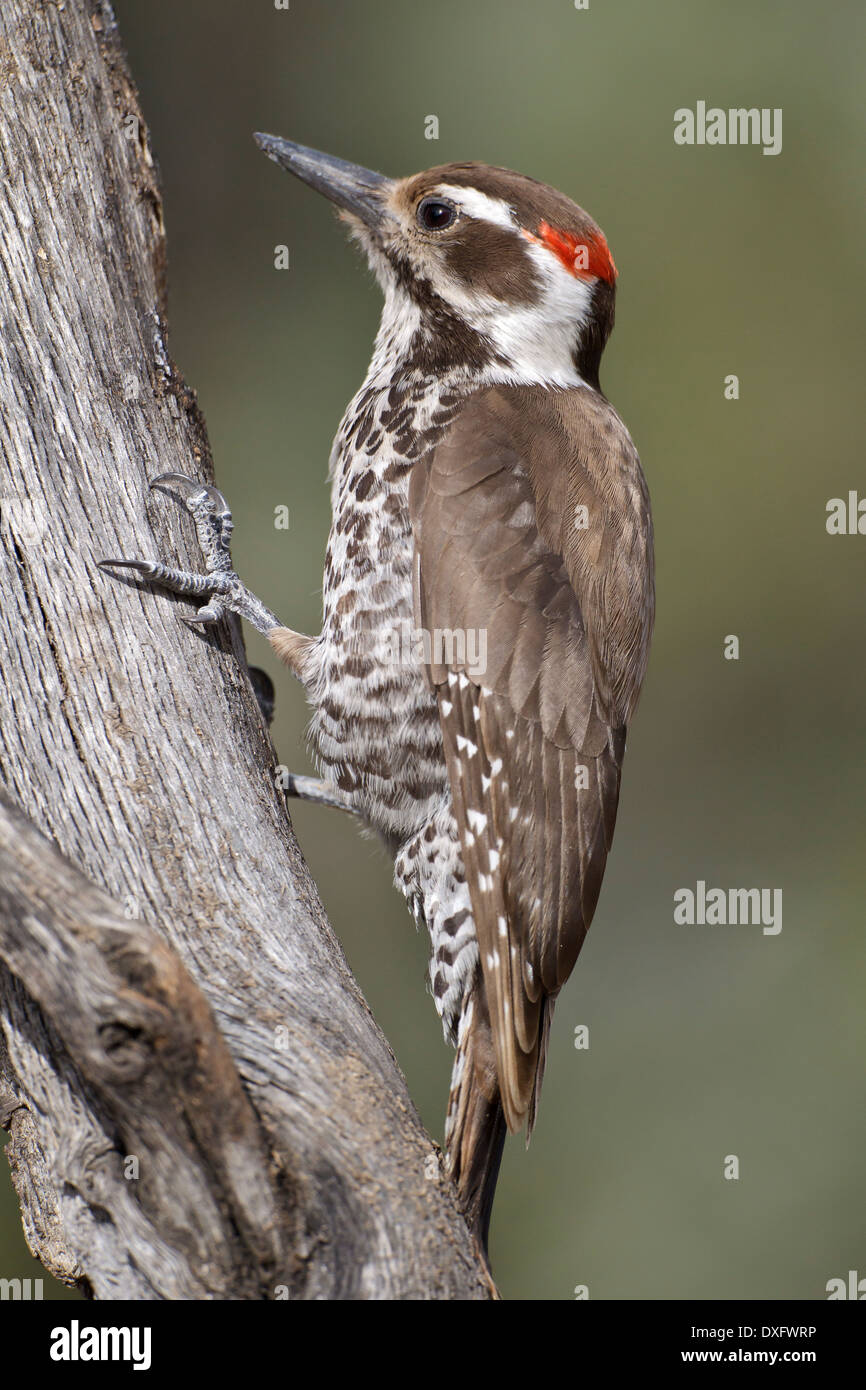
(477,204)
(537,340)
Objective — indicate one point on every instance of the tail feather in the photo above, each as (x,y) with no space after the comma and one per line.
(543,1040)
(475,1127)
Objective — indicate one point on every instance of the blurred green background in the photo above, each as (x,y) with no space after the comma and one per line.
(704,1041)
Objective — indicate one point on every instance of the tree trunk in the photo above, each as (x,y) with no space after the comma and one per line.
(200,1103)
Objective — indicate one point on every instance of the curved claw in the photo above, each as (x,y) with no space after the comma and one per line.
(194,486)
(175,478)
(143,565)
(206,615)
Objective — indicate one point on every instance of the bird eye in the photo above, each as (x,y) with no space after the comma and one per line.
(434,215)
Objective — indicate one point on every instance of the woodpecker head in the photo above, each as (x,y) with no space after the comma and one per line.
(483,269)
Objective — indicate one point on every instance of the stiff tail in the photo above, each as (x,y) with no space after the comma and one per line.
(475,1127)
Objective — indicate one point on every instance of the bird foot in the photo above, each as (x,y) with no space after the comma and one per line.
(219,585)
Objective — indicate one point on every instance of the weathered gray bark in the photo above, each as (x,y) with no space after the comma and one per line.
(207,1025)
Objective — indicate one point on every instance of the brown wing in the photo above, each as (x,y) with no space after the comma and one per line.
(533,539)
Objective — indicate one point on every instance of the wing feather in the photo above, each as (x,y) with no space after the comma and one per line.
(533,741)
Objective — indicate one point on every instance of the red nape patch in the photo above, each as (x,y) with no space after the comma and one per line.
(585,258)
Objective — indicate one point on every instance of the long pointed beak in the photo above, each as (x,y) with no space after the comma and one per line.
(350,186)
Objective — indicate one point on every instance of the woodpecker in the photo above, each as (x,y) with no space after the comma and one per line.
(489,503)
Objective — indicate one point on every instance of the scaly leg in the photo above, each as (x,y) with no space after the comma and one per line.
(225,593)
(320,793)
